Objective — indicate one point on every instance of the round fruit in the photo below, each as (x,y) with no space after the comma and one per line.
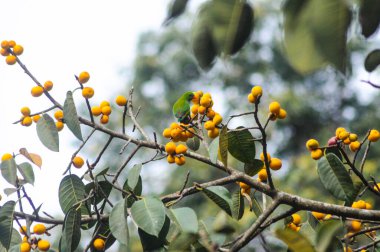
(210,113)
(5,44)
(39,229)
(180,149)
(104,103)
(296,219)
(59,125)
(343,135)
(251,98)
(275,164)
(48,85)
(43,245)
(213,133)
(374,135)
(262,156)
(22,228)
(354,146)
(25,111)
(99,244)
(104,119)
(170,148)
(201,110)
(353,137)
(106,110)
(368,206)
(96,111)
(217,119)
(88,92)
(10,59)
(25,247)
(4,52)
(274,107)
(174,125)
(121,100)
(209,125)
(170,159)
(282,114)
(316,154)
(83,77)
(36,118)
(18,50)
(167,133)
(78,162)
(244,186)
(338,130)
(194,109)
(11,43)
(356,226)
(27,121)
(37,91)
(58,115)
(312,144)
(318,216)
(263,176)
(257,91)
(180,160)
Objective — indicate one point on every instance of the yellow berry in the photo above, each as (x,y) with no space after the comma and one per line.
(194,109)
(104,103)
(263,175)
(104,119)
(25,247)
(23,229)
(316,154)
(282,114)
(39,229)
(167,133)
(11,43)
(180,160)
(257,91)
(6,156)
(318,216)
(354,146)
(99,244)
(213,133)
(338,130)
(4,52)
(96,110)
(58,115)
(195,99)
(296,219)
(83,77)
(170,159)
(5,44)
(88,92)
(205,101)
(347,141)
(360,204)
(190,133)
(10,59)
(374,135)
(210,113)
(43,245)
(174,125)
(121,100)
(262,156)
(251,98)
(180,149)
(25,111)
(48,85)
(25,239)
(244,185)
(106,110)
(27,121)
(274,108)
(312,144)
(209,125)
(175,133)
(275,164)
(293,226)
(170,148)
(78,162)
(37,91)
(343,135)
(18,50)
(353,137)
(356,226)
(201,110)
(59,125)
(217,119)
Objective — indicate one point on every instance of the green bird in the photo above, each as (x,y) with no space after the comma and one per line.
(181,108)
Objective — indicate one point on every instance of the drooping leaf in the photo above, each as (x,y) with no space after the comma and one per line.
(237,205)
(256,208)
(102,190)
(295,241)
(118,222)
(369,16)
(6,223)
(26,171)
(223,145)
(47,132)
(34,158)
(334,150)
(149,215)
(187,219)
(134,176)
(9,171)
(326,232)
(153,243)
(220,196)
(71,117)
(71,191)
(138,188)
(372,61)
(241,145)
(71,233)
(193,143)
(335,177)
(254,167)
(9,191)
(213,150)
(176,8)
(358,187)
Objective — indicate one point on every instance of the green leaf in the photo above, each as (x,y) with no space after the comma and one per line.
(254,167)
(295,241)
(102,172)
(193,143)
(9,171)
(256,208)
(102,190)
(47,132)
(183,242)
(372,61)
(326,233)
(176,8)
(241,145)
(213,150)
(137,190)
(6,223)
(223,145)
(358,187)
(119,223)
(102,229)
(186,219)
(9,191)
(71,191)
(15,242)
(149,215)
(71,117)
(220,196)
(134,176)
(237,205)
(26,171)
(335,177)
(71,233)
(369,17)
(153,243)
(334,150)
(313,222)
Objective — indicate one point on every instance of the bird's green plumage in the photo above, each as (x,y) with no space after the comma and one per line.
(181,108)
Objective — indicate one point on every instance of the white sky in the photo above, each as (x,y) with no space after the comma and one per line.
(60,39)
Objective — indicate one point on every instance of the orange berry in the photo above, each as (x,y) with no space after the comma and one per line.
(96,111)
(39,229)
(58,115)
(292,226)
(274,107)
(263,175)
(190,133)
(167,133)
(36,118)
(88,92)
(11,43)
(23,229)
(18,50)
(353,137)
(170,148)
(175,133)
(356,226)
(257,91)
(368,206)
(343,135)
(5,44)
(201,110)
(374,135)
(251,98)
(354,146)
(210,113)
(59,125)
(245,191)
(174,125)
(27,121)
(338,130)
(244,185)
(99,244)
(25,247)
(83,77)
(4,52)
(10,59)
(195,99)
(43,245)
(318,216)
(194,109)
(213,133)
(275,164)
(121,100)
(282,114)
(104,119)
(217,119)
(262,156)
(312,144)
(180,149)
(347,141)
(25,111)
(180,160)
(48,85)
(37,91)
(209,125)
(296,219)
(106,110)
(316,154)
(170,159)
(104,103)
(78,162)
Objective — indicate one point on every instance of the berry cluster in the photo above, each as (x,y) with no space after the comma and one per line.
(295,223)
(38,90)
(34,242)
(321,216)
(10,50)
(104,109)
(175,153)
(274,164)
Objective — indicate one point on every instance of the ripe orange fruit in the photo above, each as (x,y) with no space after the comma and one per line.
(25,247)
(96,110)
(83,77)
(4,52)
(58,115)
(217,119)
(296,219)
(354,146)
(213,133)
(121,100)
(170,159)
(180,149)
(167,133)
(5,44)
(36,118)
(170,148)
(257,91)
(18,50)
(318,216)
(104,103)
(374,135)
(39,229)
(27,121)
(209,125)
(99,244)
(88,92)
(10,59)
(282,114)
(312,144)
(48,85)
(180,160)
(43,245)
(22,228)
(78,162)
(263,176)
(37,91)
(275,164)
(59,125)
(25,111)
(104,119)
(251,98)
(274,107)
(262,156)
(316,154)
(106,110)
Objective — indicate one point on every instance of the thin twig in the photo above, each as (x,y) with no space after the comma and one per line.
(133,117)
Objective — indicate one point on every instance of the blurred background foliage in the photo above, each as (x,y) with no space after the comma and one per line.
(316,103)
